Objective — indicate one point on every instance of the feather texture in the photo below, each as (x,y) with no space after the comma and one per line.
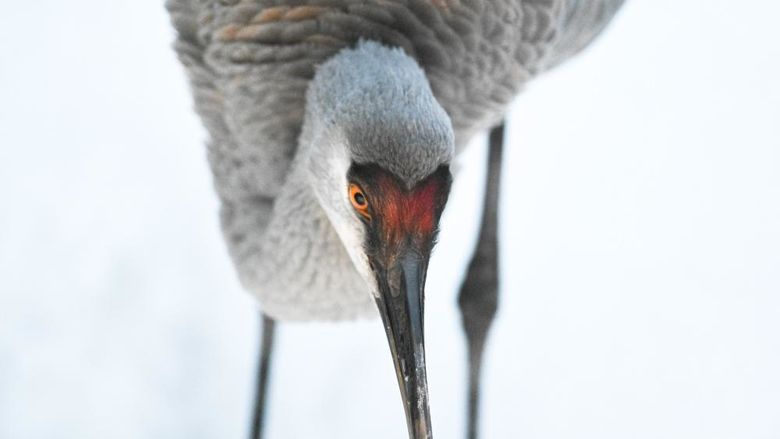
(250,62)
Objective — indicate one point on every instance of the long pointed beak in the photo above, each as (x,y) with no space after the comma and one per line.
(401,306)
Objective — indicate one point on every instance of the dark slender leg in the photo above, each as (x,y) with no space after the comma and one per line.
(263,370)
(478,298)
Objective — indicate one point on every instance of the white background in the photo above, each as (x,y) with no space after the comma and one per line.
(640,245)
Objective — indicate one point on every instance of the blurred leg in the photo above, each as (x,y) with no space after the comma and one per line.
(478,298)
(263,370)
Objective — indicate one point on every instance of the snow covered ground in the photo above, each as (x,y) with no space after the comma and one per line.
(641,247)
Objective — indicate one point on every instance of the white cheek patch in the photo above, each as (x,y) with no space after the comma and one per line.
(329,182)
(352,233)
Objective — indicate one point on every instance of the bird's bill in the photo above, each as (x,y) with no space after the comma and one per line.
(400,303)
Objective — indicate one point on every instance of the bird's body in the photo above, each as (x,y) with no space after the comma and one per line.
(333,124)
(250,63)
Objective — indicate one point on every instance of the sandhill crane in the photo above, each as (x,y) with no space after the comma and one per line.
(332,127)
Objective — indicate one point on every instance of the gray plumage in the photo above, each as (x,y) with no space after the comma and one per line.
(279,157)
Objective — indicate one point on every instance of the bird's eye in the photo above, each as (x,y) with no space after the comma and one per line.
(359,200)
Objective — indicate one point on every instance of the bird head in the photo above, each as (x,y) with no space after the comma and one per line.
(380,147)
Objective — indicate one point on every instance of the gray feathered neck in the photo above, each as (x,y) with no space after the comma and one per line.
(378,102)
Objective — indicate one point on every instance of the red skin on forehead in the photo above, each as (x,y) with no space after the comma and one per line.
(406,213)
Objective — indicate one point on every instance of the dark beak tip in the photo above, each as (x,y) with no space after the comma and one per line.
(401,306)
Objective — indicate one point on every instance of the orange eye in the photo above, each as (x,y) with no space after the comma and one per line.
(359,200)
